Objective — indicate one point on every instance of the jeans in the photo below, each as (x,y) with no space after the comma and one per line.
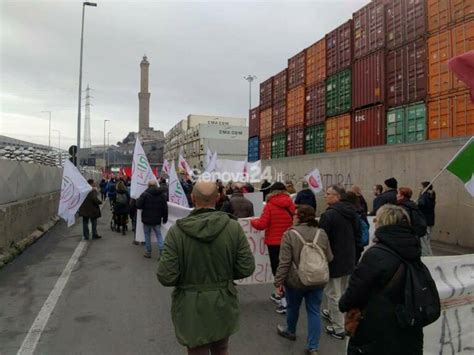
(85,226)
(147,229)
(312,298)
(334,290)
(216,348)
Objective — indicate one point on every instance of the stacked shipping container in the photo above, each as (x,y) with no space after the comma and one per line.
(381,77)
(451,33)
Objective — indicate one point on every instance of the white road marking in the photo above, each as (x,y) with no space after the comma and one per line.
(28,346)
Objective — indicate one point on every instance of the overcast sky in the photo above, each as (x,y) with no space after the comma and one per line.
(198,54)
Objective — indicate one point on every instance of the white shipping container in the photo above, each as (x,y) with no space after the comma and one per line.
(194,120)
(233,133)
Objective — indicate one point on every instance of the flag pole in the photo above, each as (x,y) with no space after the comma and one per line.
(447,164)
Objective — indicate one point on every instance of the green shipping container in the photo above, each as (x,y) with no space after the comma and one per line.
(396,125)
(314,139)
(406,124)
(278,146)
(416,123)
(339,93)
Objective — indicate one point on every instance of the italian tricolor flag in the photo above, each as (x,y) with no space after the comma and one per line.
(462,165)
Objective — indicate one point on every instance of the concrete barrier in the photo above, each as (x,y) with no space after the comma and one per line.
(409,164)
(20,219)
(29,199)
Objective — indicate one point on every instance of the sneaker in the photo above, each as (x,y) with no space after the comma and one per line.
(275,298)
(326,315)
(281,310)
(135,242)
(97,236)
(332,332)
(311,351)
(86,238)
(283,332)
(147,255)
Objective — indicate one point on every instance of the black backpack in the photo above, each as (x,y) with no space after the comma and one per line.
(421,299)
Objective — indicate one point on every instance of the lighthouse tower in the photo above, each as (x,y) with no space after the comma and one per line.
(144,97)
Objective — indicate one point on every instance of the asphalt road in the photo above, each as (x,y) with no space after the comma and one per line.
(113,303)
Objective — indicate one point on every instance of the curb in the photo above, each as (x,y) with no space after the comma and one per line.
(16,248)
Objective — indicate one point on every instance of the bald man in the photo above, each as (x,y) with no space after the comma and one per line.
(203,254)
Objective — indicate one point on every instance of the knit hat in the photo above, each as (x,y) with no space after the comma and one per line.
(277,186)
(391,183)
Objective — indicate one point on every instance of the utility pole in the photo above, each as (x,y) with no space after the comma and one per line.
(250,78)
(84,4)
(87,120)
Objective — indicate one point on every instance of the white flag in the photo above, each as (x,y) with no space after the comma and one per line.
(209,156)
(74,190)
(166,167)
(314,181)
(184,166)
(175,190)
(212,165)
(141,171)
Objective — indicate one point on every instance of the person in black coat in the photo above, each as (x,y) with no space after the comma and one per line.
(265,188)
(154,208)
(121,207)
(377,286)
(306,196)
(90,210)
(427,204)
(389,195)
(341,224)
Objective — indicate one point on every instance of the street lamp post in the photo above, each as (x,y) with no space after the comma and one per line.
(105,162)
(250,79)
(49,129)
(84,4)
(108,146)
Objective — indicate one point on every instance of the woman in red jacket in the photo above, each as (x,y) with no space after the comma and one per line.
(276,218)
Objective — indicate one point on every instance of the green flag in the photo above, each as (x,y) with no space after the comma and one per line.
(463,165)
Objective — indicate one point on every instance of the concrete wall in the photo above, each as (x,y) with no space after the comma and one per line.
(29,198)
(409,164)
(19,181)
(19,219)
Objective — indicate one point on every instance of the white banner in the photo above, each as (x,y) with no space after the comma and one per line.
(141,171)
(263,270)
(314,181)
(175,189)
(453,332)
(175,212)
(257,200)
(74,190)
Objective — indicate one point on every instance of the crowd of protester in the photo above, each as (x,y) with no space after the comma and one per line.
(358,276)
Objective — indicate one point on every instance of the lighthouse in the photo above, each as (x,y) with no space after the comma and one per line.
(144,97)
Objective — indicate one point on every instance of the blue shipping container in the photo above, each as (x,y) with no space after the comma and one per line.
(253,151)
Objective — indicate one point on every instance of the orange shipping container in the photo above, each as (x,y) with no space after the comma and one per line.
(316,62)
(266,123)
(295,107)
(451,116)
(442,13)
(265,148)
(338,133)
(442,47)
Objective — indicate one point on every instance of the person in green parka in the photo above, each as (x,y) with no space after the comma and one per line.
(203,254)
